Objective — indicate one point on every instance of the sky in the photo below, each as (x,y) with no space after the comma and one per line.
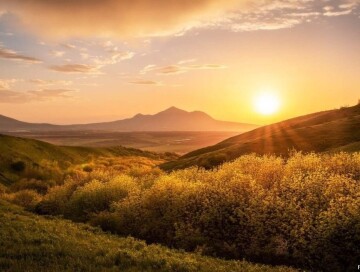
(89,61)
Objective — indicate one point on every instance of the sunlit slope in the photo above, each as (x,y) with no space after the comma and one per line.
(333,130)
(33,153)
(32,243)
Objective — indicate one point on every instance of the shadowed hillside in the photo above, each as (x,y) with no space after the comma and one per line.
(59,245)
(334,130)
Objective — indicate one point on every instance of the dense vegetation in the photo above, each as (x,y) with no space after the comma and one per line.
(328,131)
(32,243)
(302,211)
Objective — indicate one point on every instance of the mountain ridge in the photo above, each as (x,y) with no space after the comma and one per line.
(171,119)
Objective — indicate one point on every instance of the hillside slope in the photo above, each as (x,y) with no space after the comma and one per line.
(334,130)
(33,153)
(172,119)
(32,243)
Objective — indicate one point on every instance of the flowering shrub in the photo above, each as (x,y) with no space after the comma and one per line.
(302,211)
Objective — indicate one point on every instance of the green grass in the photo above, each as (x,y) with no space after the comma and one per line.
(34,152)
(328,131)
(33,243)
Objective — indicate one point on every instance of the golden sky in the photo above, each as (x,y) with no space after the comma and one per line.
(88,60)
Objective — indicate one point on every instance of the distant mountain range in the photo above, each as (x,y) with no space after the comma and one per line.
(172,119)
(327,131)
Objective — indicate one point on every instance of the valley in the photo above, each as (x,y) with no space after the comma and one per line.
(179,142)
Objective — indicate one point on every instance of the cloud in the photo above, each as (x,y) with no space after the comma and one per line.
(144,82)
(76,68)
(41,82)
(337,13)
(97,62)
(9,96)
(125,18)
(68,46)
(115,57)
(145,18)
(186,61)
(5,84)
(6,33)
(273,24)
(49,94)
(205,66)
(170,69)
(57,53)
(178,69)
(12,55)
(280,14)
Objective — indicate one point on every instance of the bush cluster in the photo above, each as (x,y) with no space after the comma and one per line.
(302,211)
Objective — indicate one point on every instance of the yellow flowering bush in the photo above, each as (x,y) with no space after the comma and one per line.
(302,211)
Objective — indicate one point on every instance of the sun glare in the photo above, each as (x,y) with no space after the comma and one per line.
(267,103)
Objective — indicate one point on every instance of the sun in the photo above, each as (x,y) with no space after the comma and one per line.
(267,103)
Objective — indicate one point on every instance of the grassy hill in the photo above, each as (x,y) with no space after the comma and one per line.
(33,243)
(334,130)
(19,156)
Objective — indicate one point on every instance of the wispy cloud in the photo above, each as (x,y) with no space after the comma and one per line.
(6,33)
(76,68)
(49,94)
(42,82)
(144,82)
(5,84)
(57,53)
(9,96)
(115,57)
(13,55)
(169,69)
(338,13)
(68,46)
(178,69)
(279,14)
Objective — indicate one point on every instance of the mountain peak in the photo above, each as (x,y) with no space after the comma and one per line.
(173,110)
(139,115)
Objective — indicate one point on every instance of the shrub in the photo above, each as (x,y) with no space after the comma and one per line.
(24,198)
(97,196)
(302,211)
(39,186)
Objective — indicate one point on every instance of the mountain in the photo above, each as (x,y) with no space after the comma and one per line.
(327,131)
(172,119)
(8,124)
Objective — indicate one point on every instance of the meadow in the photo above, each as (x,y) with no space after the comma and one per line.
(179,142)
(302,211)
(33,243)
